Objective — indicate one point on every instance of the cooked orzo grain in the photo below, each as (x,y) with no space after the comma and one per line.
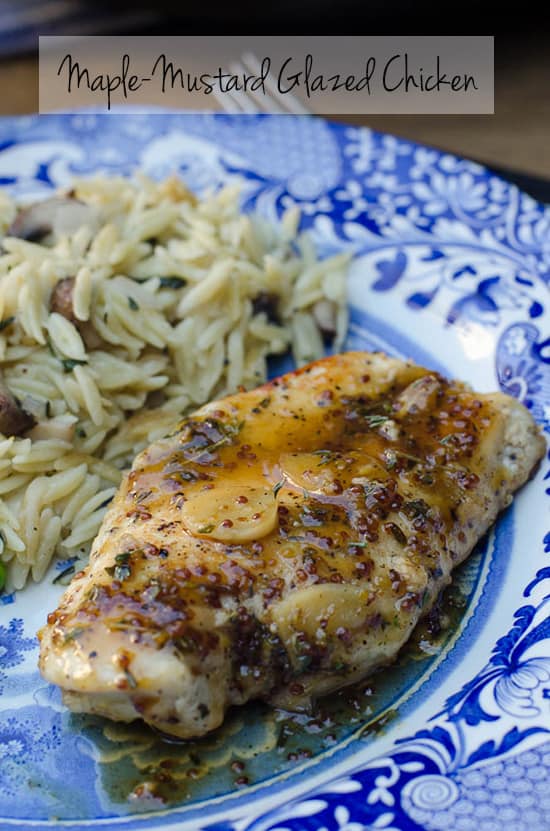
(123,305)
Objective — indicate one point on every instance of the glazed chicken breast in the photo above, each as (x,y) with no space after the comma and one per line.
(284,542)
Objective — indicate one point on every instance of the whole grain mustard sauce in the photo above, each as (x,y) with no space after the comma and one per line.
(280,525)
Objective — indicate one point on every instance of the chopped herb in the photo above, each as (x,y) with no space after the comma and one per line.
(278,487)
(64,577)
(6,322)
(130,678)
(390,457)
(360,544)
(122,573)
(183,645)
(231,430)
(120,625)
(200,430)
(265,402)
(371,487)
(397,533)
(70,363)
(416,507)
(216,446)
(2,577)
(119,572)
(408,456)
(133,304)
(48,409)
(74,633)
(172,282)
(325,454)
(206,529)
(375,420)
(447,439)
(303,663)
(122,558)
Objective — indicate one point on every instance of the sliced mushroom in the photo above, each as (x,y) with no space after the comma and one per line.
(14,420)
(268,303)
(324,314)
(61,301)
(57,216)
(155,398)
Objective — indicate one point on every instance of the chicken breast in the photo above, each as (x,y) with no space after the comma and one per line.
(284,542)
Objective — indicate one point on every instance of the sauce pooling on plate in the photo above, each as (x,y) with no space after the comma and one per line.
(284,542)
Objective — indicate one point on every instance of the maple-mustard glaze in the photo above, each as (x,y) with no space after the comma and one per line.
(283,542)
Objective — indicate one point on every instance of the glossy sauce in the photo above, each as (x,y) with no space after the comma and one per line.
(250,490)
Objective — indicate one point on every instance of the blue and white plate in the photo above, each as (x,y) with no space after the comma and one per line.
(451,268)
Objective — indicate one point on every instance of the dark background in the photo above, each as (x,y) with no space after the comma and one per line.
(516,137)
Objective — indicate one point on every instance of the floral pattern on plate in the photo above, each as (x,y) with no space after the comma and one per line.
(452,268)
